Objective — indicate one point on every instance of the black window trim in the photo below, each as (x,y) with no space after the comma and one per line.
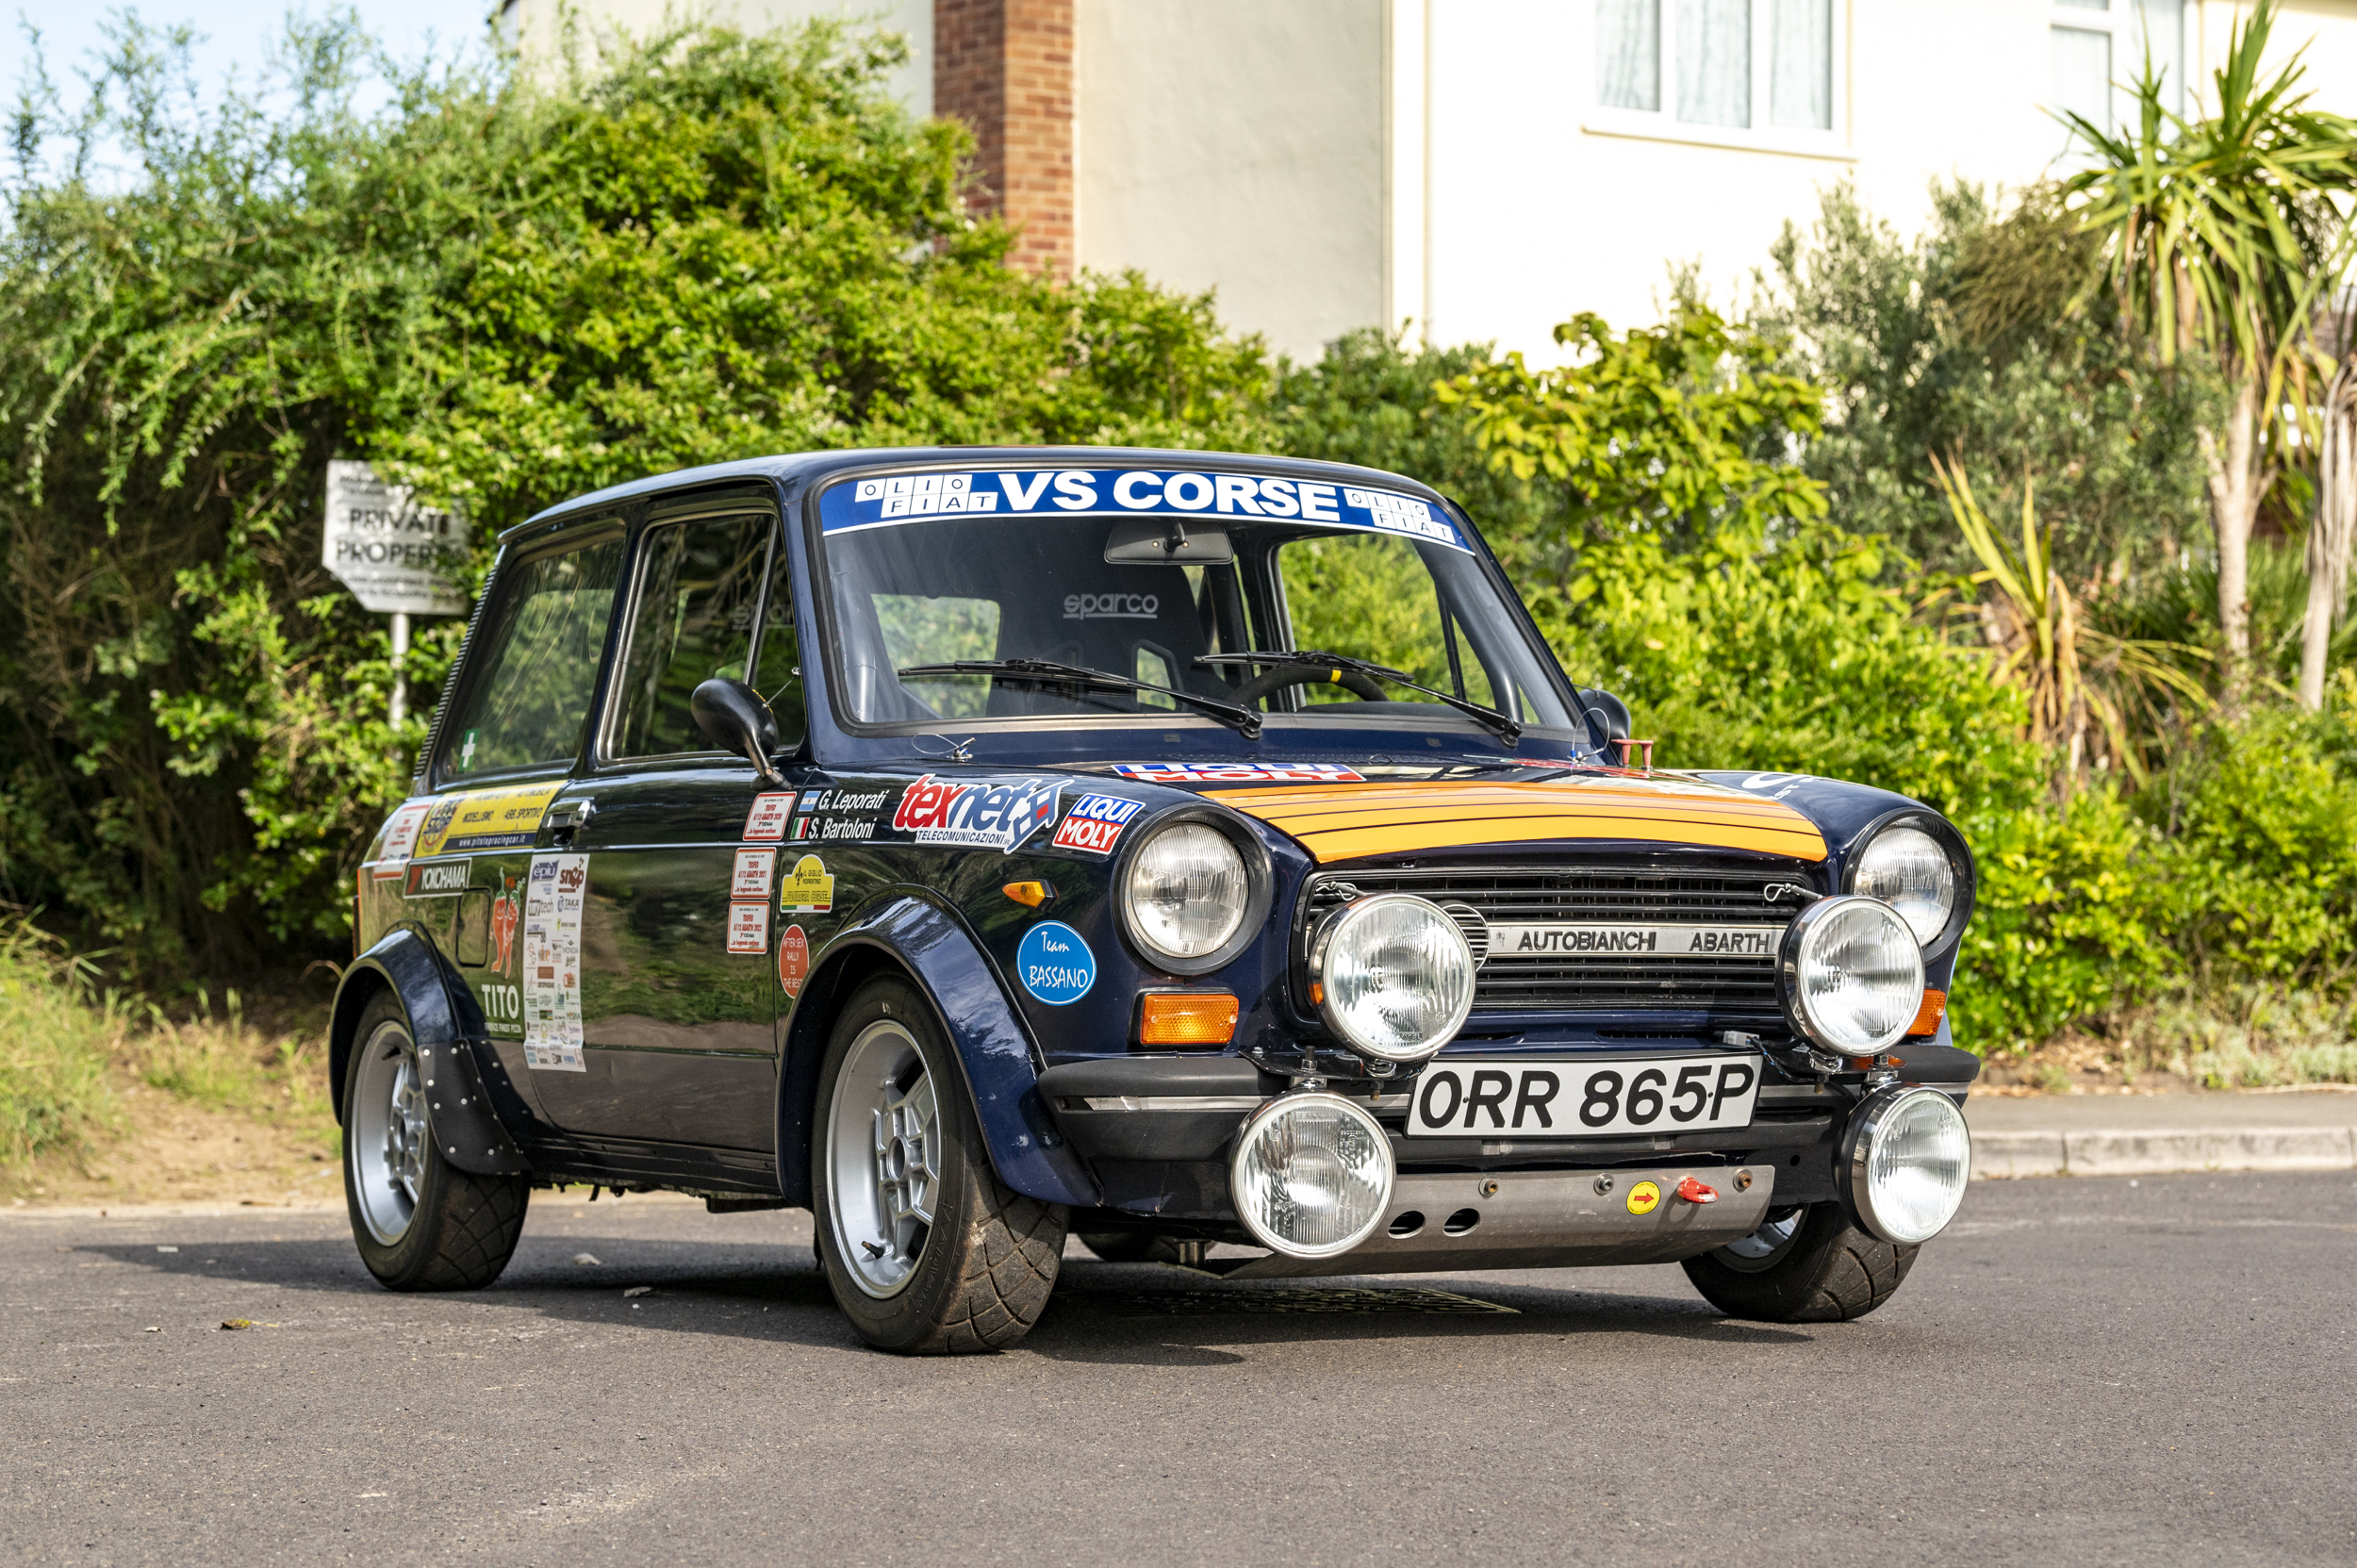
(679,510)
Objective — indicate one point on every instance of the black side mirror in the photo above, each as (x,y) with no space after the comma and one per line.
(1604,713)
(733,718)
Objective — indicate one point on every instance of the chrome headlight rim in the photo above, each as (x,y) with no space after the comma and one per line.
(1875,1114)
(1791,994)
(1281,1105)
(1259,893)
(1941,831)
(1321,943)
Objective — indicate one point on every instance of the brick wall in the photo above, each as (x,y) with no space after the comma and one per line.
(1005,68)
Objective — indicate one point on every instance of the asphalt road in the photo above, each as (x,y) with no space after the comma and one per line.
(2080,1370)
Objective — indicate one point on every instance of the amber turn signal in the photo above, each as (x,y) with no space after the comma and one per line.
(1030,893)
(1186,1018)
(1927,1017)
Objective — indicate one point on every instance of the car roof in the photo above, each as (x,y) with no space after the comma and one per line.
(816,466)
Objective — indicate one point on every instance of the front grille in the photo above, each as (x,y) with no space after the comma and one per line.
(1735,986)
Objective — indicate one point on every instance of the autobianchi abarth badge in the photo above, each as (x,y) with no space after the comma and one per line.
(1674,941)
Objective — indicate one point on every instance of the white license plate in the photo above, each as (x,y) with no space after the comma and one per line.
(1584,1100)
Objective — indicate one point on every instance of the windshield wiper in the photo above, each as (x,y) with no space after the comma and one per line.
(1507,728)
(1048,672)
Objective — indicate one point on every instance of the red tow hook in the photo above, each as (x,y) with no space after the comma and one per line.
(1692,1191)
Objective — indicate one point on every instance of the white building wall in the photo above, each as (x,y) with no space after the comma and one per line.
(1238,145)
(534,25)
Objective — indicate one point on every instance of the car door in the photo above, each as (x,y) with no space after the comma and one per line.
(676,845)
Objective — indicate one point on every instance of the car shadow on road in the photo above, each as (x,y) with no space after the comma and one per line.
(1119,1314)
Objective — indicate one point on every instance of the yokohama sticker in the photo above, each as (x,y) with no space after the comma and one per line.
(749,928)
(437,878)
(1094,822)
(793,960)
(755,868)
(984,814)
(767,820)
(1238,772)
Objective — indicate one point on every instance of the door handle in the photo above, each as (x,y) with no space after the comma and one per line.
(567,818)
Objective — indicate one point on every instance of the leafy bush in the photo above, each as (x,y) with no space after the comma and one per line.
(55,1038)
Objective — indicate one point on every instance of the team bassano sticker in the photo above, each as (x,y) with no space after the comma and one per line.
(983,815)
(1094,822)
(1238,772)
(1055,964)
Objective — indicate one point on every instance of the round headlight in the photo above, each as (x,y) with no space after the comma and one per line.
(1393,975)
(1186,891)
(1312,1175)
(1851,975)
(1909,1158)
(1907,869)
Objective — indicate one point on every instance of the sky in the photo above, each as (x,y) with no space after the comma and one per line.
(236,34)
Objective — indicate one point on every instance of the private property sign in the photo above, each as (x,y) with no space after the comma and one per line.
(391,553)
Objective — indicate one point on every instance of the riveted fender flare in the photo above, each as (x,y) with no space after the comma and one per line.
(450,1052)
(1000,1062)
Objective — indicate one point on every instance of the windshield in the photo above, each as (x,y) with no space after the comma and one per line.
(1147,574)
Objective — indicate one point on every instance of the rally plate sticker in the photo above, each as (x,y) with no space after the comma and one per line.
(1584,1100)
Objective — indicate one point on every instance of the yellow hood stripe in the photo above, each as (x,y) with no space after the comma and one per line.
(1350,822)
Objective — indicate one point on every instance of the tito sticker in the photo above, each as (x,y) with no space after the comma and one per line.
(1644,1199)
(1055,964)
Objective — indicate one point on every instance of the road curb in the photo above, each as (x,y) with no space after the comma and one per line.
(2160,1151)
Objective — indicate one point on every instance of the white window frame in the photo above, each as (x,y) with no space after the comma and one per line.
(2118,22)
(1662,125)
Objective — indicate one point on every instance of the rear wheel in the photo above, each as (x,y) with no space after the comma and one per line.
(927,1252)
(421,1222)
(1804,1265)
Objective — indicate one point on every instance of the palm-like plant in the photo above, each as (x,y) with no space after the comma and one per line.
(2081,683)
(2220,236)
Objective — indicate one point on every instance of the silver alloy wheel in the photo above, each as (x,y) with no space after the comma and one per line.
(387,1135)
(883,1158)
(1764,1245)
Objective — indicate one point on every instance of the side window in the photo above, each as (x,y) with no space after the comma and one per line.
(530,680)
(1369,597)
(698,584)
(778,675)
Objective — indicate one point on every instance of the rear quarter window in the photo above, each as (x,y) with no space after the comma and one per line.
(535,668)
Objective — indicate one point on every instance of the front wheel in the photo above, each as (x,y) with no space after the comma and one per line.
(422,1223)
(1804,1265)
(927,1252)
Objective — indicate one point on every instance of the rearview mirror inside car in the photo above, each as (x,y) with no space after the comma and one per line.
(733,718)
(1167,541)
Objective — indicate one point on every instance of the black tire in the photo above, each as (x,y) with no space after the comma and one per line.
(979,1274)
(1131,1246)
(1828,1271)
(460,1228)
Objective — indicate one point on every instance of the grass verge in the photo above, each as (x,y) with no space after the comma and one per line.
(2244,1037)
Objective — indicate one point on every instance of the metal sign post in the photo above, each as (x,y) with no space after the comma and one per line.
(393,554)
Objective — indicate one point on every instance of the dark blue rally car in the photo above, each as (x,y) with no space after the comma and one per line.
(976,846)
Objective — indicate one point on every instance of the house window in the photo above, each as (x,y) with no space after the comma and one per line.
(1764,73)
(2098,48)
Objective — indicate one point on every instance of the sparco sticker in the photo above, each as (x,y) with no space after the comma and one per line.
(1238,772)
(768,817)
(1095,823)
(984,814)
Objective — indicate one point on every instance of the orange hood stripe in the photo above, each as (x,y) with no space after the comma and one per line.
(1350,822)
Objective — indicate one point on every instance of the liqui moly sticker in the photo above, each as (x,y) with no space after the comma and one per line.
(749,928)
(1238,772)
(400,838)
(984,814)
(1094,822)
(767,820)
(755,870)
(793,960)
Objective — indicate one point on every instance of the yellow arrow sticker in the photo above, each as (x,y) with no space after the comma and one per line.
(1644,1199)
